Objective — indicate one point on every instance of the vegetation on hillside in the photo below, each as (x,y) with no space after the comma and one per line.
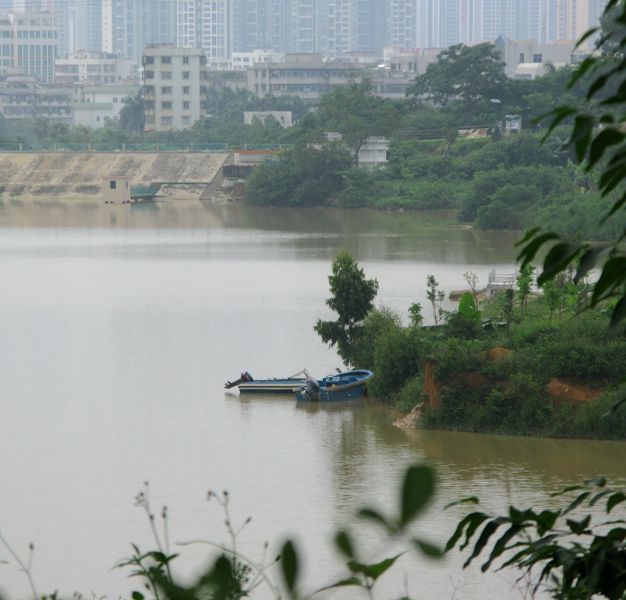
(494,182)
(430,166)
(521,363)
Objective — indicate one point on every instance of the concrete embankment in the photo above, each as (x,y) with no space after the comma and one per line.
(78,177)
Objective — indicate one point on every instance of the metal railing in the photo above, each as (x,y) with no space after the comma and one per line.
(130,147)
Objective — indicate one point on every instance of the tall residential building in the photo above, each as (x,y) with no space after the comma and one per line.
(575,17)
(304,15)
(122,27)
(335,27)
(206,24)
(159,22)
(500,18)
(538,20)
(129,25)
(402,25)
(20,6)
(278,36)
(372,18)
(438,23)
(251,19)
(470,21)
(28,44)
(174,87)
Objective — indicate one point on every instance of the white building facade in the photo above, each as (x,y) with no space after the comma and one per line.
(174,87)
(206,24)
(28,44)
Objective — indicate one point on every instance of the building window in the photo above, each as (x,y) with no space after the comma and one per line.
(186,105)
(185,60)
(185,74)
(537,58)
(521,57)
(112,185)
(166,60)
(166,75)
(148,60)
(166,89)
(185,90)
(166,105)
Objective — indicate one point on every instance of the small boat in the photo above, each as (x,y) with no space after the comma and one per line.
(340,386)
(281,385)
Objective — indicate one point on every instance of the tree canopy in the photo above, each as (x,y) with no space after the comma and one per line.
(352,298)
(599,141)
(472,74)
(356,113)
(132,117)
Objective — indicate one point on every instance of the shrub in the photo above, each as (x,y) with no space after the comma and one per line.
(410,394)
(396,359)
(378,323)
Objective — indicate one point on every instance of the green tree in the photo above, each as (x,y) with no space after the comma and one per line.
(435,297)
(599,142)
(306,175)
(352,298)
(553,294)
(473,74)
(356,113)
(132,116)
(416,318)
(524,282)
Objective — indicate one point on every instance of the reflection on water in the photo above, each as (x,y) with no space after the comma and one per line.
(369,234)
(118,329)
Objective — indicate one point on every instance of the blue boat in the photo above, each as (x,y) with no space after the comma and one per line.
(281,385)
(341,386)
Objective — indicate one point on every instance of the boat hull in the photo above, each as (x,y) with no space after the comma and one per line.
(271,386)
(343,386)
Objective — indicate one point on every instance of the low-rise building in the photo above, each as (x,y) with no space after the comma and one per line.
(244,60)
(93,115)
(409,60)
(95,105)
(116,189)
(230,80)
(374,152)
(527,59)
(304,75)
(309,76)
(175,85)
(21,96)
(283,117)
(94,68)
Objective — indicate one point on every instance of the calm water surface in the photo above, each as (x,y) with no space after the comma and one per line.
(118,327)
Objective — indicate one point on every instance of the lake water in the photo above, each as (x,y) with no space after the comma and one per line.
(118,328)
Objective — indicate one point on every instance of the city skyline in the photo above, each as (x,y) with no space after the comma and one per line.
(335,28)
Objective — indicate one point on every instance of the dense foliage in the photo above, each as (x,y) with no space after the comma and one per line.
(494,182)
(300,177)
(599,142)
(352,298)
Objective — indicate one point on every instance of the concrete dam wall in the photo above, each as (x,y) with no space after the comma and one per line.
(69,177)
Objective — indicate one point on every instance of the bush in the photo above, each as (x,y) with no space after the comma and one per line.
(303,176)
(378,323)
(396,359)
(410,395)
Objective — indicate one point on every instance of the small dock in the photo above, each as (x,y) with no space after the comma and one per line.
(143,193)
(498,282)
